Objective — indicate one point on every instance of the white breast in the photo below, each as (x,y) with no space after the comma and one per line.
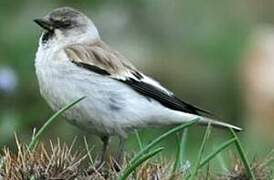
(110,107)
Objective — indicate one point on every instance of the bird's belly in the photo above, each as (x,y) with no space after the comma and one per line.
(110,107)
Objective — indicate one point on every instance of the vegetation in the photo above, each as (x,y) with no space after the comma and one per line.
(60,161)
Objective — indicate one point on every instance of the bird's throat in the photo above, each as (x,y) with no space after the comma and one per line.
(46,36)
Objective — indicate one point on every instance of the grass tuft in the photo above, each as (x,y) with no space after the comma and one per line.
(138,162)
(144,151)
(263,170)
(59,161)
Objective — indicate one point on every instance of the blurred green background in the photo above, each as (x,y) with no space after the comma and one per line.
(195,48)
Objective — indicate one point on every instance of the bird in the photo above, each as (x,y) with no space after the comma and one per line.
(73,62)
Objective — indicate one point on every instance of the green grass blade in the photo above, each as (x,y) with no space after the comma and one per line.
(243,155)
(49,121)
(177,158)
(216,152)
(181,147)
(139,140)
(137,163)
(201,151)
(160,138)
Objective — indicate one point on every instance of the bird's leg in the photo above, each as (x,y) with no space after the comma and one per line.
(105,140)
(120,156)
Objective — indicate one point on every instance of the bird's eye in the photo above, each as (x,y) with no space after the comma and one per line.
(66,23)
(62,23)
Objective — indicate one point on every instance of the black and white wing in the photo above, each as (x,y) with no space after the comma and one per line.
(148,87)
(103,60)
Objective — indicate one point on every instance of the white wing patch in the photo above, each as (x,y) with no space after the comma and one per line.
(130,75)
(152,82)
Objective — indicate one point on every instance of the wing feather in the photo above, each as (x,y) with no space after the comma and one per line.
(103,60)
(167,100)
(103,57)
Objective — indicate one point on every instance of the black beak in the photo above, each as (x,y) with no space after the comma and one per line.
(44,23)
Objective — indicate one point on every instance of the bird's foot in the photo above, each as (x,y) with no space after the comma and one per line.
(96,168)
(117,164)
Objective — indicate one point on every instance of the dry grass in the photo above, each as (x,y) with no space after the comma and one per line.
(56,162)
(262,169)
(61,161)
(37,161)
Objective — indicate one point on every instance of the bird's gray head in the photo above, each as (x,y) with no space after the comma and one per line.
(67,26)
